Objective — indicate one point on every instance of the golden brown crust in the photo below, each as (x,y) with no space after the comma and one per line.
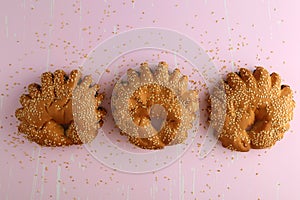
(139,107)
(48,112)
(135,100)
(258,110)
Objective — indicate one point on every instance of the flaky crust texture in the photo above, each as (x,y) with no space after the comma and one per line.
(258,110)
(133,99)
(63,110)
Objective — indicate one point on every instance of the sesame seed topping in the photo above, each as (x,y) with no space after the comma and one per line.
(258,110)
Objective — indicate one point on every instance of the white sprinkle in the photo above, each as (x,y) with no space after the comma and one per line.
(175,61)
(194,179)
(48,58)
(127,194)
(170,190)
(228,30)
(58,183)
(81,166)
(153,190)
(35,175)
(80,10)
(6,25)
(51,8)
(115,30)
(42,181)
(80,28)
(49,49)
(1,103)
(50,33)
(269,9)
(72,158)
(181,181)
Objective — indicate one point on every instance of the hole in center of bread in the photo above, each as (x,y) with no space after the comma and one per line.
(249,128)
(151,97)
(65,127)
(158,116)
(259,120)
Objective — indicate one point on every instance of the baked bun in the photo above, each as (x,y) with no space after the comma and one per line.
(160,95)
(258,110)
(63,110)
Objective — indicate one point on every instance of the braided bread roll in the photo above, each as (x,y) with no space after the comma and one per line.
(258,110)
(160,94)
(63,110)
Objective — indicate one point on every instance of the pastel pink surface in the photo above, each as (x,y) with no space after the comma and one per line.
(37,36)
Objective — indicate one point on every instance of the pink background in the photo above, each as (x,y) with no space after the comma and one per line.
(36,36)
